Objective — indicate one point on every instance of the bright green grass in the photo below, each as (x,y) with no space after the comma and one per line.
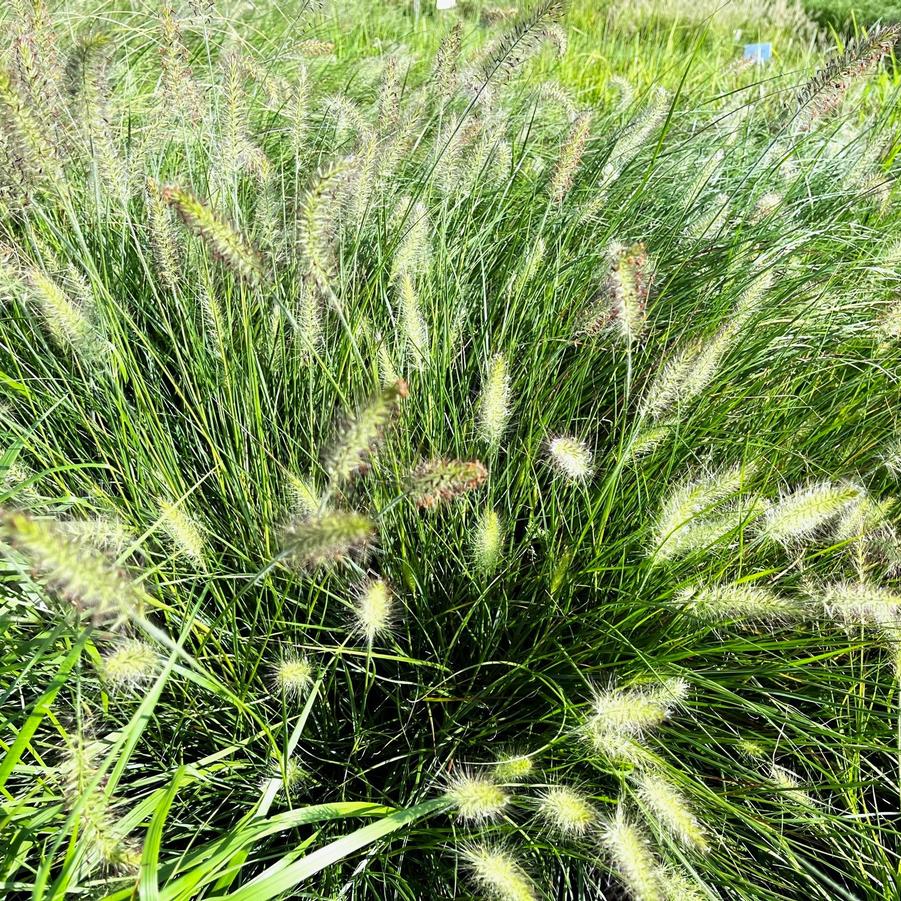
(216,397)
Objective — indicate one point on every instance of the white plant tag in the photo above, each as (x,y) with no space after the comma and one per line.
(445,4)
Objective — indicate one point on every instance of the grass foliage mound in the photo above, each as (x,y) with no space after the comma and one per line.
(422,478)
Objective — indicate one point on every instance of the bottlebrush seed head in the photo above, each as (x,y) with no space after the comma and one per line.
(373,609)
(513,768)
(860,604)
(789,785)
(439,481)
(567,810)
(570,457)
(489,537)
(293,675)
(476,797)
(362,433)
(671,811)
(632,858)
(622,714)
(328,537)
(223,241)
(184,531)
(81,574)
(625,294)
(494,404)
(498,873)
(130,665)
(800,515)
(715,603)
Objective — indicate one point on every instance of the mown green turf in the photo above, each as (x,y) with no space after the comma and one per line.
(179,424)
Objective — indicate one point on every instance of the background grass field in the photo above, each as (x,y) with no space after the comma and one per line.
(448,456)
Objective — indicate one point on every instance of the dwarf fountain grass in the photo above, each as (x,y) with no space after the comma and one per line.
(373,609)
(445,68)
(131,664)
(566,810)
(801,514)
(632,858)
(570,457)
(434,482)
(183,530)
(413,324)
(742,601)
(361,433)
(570,159)
(228,384)
(82,575)
(514,768)
(476,796)
(292,675)
(162,237)
(67,319)
(680,526)
(223,241)
(790,785)
(494,403)
(497,872)
(670,811)
(328,537)
(488,540)
(859,603)
(622,308)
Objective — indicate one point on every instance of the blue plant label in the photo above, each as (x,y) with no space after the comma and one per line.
(759,53)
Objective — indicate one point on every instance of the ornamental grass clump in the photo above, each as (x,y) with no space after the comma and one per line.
(262,602)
